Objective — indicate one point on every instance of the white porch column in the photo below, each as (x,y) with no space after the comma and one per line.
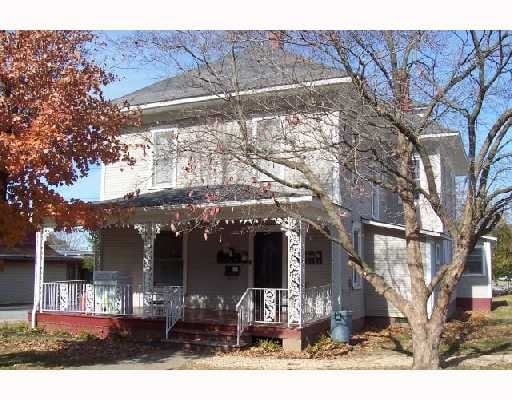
(41,236)
(295,232)
(148,233)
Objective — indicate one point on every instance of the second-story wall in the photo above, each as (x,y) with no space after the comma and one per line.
(196,168)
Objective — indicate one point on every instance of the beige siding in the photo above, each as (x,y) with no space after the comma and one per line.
(122,251)
(17,279)
(318,274)
(207,287)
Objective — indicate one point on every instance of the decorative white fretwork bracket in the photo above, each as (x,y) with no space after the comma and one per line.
(148,233)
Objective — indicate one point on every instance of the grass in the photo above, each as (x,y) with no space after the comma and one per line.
(24,348)
(502,309)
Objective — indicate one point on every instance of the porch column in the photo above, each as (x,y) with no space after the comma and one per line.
(148,233)
(295,232)
(41,237)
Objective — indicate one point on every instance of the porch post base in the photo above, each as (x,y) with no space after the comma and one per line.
(292,345)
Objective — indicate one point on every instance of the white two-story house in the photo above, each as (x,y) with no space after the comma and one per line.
(205,257)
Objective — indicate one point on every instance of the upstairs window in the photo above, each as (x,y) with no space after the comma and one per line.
(475,263)
(164,158)
(266,134)
(356,240)
(375,201)
(417,175)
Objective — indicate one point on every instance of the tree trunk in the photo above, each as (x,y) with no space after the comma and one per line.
(425,343)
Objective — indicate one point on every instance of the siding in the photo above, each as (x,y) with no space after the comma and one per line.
(119,178)
(385,251)
(318,274)
(17,279)
(207,287)
(122,251)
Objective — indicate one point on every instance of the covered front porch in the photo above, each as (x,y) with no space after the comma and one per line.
(261,275)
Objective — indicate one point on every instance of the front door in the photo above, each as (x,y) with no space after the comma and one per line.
(268,260)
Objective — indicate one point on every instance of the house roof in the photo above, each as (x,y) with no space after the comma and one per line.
(202,195)
(26,250)
(257,67)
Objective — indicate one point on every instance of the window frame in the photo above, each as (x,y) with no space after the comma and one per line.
(174,171)
(376,190)
(483,263)
(261,177)
(418,167)
(357,279)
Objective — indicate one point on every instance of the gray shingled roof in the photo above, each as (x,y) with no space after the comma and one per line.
(257,67)
(198,195)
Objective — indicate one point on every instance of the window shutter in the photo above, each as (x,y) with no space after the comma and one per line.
(164,161)
(266,132)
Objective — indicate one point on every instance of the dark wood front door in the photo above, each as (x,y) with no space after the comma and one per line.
(268,260)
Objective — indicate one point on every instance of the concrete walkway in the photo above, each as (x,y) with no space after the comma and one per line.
(163,360)
(14,313)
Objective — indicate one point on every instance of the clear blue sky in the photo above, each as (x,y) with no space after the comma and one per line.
(129,79)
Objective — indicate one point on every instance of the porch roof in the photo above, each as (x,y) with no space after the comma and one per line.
(209,195)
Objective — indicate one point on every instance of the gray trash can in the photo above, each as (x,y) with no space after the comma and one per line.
(341,326)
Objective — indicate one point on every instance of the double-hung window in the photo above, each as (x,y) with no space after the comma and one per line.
(417,175)
(375,201)
(475,262)
(356,241)
(164,158)
(267,136)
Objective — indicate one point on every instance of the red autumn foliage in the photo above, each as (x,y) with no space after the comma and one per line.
(54,124)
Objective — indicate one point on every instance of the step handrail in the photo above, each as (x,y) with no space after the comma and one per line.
(174,308)
(244,313)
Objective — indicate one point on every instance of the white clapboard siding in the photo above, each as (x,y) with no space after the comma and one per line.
(385,251)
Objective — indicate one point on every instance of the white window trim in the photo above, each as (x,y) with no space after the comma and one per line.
(484,263)
(438,255)
(261,177)
(174,173)
(417,159)
(357,280)
(376,189)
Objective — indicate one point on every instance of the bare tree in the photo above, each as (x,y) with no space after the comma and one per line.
(402,87)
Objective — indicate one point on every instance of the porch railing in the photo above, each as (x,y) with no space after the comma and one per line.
(173,307)
(263,306)
(317,303)
(104,298)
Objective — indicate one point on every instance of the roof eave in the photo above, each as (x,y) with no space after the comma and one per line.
(162,105)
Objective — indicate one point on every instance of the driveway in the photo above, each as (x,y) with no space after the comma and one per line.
(14,313)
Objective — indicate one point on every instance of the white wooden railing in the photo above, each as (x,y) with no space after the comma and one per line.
(174,307)
(317,303)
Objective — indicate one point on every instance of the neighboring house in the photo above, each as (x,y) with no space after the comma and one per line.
(17,270)
(260,272)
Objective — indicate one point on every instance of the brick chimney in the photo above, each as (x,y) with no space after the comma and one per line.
(276,39)
(404,99)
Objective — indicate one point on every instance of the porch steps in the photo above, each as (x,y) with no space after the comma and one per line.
(201,335)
